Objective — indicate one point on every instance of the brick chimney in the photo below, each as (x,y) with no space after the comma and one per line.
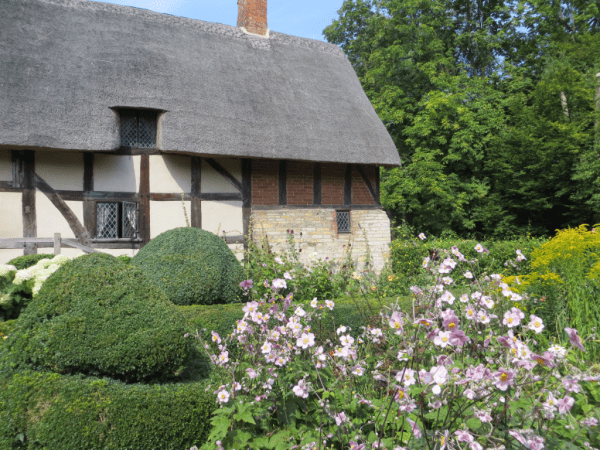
(252,16)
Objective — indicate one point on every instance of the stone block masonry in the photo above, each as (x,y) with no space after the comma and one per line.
(315,231)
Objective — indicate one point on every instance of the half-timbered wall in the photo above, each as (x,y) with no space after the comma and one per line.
(43,193)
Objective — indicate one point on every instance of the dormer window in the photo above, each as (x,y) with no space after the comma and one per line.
(138,128)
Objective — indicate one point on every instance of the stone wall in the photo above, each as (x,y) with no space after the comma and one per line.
(315,230)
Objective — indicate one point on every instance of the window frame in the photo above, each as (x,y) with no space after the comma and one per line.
(337,221)
(150,115)
(120,219)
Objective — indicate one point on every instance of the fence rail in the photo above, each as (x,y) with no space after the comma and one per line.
(57,242)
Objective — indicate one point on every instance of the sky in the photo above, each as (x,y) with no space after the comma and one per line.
(303,18)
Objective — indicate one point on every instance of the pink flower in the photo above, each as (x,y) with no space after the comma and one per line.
(479,248)
(503,378)
(287,276)
(422,236)
(463,436)
(301,389)
(571,385)
(451,322)
(251,373)
(565,404)
(329,304)
(396,322)
(415,428)
(459,338)
(279,283)
(574,338)
(306,340)
(215,337)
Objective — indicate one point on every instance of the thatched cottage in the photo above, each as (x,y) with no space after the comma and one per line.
(108,114)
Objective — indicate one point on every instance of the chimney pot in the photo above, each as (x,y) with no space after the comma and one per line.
(252,16)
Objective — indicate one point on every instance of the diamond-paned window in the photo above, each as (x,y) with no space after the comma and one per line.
(138,128)
(107,220)
(116,220)
(343,221)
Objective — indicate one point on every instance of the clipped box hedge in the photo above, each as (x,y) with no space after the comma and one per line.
(192,267)
(62,412)
(98,316)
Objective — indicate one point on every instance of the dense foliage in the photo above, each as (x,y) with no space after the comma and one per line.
(26,261)
(564,284)
(492,106)
(192,267)
(51,411)
(98,316)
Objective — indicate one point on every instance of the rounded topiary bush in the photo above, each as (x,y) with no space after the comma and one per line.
(98,316)
(47,410)
(26,261)
(192,267)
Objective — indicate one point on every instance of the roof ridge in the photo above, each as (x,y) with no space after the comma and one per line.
(209,27)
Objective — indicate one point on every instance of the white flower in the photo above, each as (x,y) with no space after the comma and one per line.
(314,302)
(21,276)
(266,348)
(468,274)
(301,389)
(278,260)
(536,324)
(306,340)
(300,312)
(279,283)
(425,262)
(422,236)
(329,304)
(358,370)
(341,329)
(287,276)
(6,269)
(442,339)
(464,298)
(479,248)
(223,396)
(347,340)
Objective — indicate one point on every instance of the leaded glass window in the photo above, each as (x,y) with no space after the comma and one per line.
(116,220)
(138,128)
(343,221)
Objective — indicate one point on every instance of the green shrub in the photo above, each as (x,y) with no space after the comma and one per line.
(408,251)
(98,316)
(52,411)
(23,262)
(125,259)
(192,267)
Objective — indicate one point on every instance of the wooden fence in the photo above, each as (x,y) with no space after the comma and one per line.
(57,242)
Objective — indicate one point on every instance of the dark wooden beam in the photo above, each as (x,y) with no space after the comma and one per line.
(283,182)
(222,197)
(246,199)
(372,191)
(224,173)
(196,194)
(18,174)
(317,184)
(59,203)
(144,196)
(89,206)
(160,197)
(28,200)
(377,186)
(136,151)
(100,195)
(343,207)
(348,185)
(7,186)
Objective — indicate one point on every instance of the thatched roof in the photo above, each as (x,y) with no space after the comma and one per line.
(66,63)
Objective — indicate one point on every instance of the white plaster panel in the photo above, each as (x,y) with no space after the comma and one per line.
(10,253)
(223,216)
(11,215)
(166,216)
(61,170)
(116,173)
(213,181)
(5,166)
(50,220)
(170,174)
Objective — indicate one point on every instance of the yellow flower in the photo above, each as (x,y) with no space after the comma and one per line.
(391,278)
(373,288)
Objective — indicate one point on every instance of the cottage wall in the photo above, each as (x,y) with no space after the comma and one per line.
(219,195)
(315,233)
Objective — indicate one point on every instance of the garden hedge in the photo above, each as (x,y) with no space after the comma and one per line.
(98,316)
(26,261)
(192,267)
(64,412)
